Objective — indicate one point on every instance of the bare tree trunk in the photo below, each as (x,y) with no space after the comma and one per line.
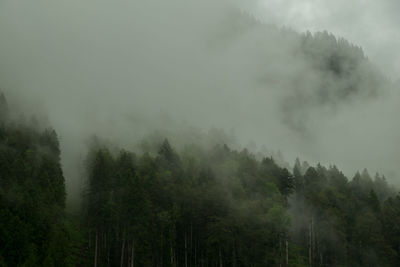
(234,254)
(186,259)
(133,254)
(104,241)
(96,248)
(195,253)
(90,239)
(321,259)
(287,253)
(162,251)
(314,257)
(220,257)
(107,247)
(191,242)
(171,253)
(122,250)
(280,251)
(310,246)
(108,256)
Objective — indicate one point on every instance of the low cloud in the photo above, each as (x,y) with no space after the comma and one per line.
(124,69)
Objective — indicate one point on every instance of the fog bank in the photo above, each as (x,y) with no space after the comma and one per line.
(123,69)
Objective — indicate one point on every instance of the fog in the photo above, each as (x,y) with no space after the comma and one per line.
(123,69)
(372,24)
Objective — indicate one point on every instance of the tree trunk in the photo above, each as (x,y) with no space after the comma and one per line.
(90,239)
(186,258)
(311,248)
(162,251)
(314,243)
(321,259)
(171,252)
(195,253)
(287,253)
(107,250)
(234,254)
(309,245)
(191,243)
(96,248)
(122,250)
(220,257)
(133,254)
(280,251)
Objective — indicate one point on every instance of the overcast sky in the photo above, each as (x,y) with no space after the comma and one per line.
(372,24)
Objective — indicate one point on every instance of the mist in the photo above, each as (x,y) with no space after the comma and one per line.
(368,23)
(124,69)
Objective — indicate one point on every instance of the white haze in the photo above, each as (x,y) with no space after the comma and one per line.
(121,69)
(370,23)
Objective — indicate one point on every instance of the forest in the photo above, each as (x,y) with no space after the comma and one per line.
(175,202)
(193,207)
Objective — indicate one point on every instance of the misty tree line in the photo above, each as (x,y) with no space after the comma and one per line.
(32,195)
(196,206)
(225,208)
(222,209)
(345,223)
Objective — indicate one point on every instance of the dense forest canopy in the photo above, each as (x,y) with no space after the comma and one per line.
(195,207)
(32,195)
(156,192)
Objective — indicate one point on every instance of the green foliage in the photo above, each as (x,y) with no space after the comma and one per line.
(216,207)
(225,208)
(343,221)
(32,197)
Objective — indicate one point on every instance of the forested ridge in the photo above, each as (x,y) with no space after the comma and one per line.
(196,206)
